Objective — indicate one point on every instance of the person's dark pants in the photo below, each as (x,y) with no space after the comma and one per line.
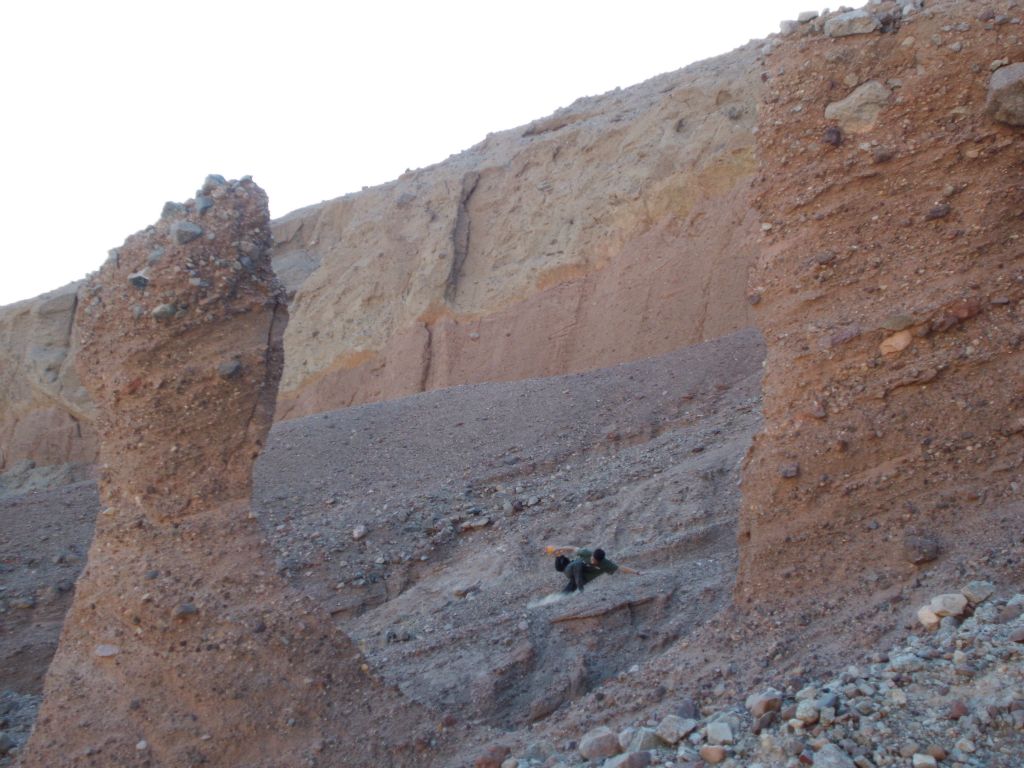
(574,572)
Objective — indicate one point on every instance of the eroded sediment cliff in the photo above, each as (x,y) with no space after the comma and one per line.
(616,229)
(45,415)
(183,645)
(892,301)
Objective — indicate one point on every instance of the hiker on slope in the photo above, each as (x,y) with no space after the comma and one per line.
(585,565)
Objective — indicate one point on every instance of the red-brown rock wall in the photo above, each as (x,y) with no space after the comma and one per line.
(891,282)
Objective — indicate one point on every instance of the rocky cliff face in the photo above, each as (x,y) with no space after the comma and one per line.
(892,301)
(45,415)
(182,645)
(616,229)
(890,290)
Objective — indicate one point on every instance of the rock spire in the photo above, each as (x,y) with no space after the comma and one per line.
(183,645)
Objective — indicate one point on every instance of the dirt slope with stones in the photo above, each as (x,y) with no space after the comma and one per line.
(946,695)
(420,524)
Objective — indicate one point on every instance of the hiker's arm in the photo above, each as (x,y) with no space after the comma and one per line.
(627,569)
(553,549)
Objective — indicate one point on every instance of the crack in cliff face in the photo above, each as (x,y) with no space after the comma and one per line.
(278,319)
(460,235)
(428,357)
(702,310)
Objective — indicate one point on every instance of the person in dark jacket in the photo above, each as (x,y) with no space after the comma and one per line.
(585,566)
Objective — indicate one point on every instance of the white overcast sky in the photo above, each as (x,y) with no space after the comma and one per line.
(111,108)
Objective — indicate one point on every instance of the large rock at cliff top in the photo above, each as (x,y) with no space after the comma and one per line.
(923,440)
(851,23)
(181,633)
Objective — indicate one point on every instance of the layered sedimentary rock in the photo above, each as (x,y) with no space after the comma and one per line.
(183,646)
(616,229)
(891,289)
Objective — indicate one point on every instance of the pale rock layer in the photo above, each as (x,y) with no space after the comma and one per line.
(616,229)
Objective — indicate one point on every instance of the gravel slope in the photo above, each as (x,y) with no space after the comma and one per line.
(420,523)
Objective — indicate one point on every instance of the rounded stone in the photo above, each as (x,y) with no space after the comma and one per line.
(952,604)
(185,232)
(712,754)
(164,311)
(1006,94)
(229,369)
(720,733)
(599,743)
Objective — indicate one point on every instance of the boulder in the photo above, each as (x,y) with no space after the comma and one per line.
(1006,94)
(978,592)
(673,729)
(629,760)
(644,739)
(919,549)
(769,700)
(851,23)
(719,733)
(928,618)
(493,756)
(599,743)
(953,604)
(896,343)
(807,712)
(713,754)
(859,111)
(832,756)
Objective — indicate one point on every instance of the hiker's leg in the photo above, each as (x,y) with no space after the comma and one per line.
(570,574)
(575,572)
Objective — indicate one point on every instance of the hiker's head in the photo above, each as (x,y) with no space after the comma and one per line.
(598,555)
(561,562)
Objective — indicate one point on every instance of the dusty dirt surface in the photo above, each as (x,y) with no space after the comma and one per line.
(459,492)
(892,302)
(44,537)
(420,524)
